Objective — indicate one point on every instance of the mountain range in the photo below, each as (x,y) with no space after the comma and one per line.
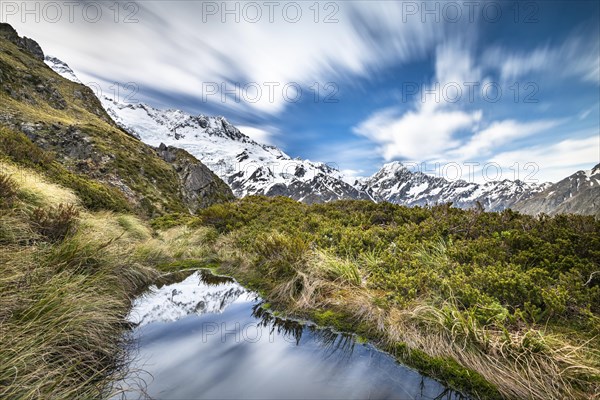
(252,168)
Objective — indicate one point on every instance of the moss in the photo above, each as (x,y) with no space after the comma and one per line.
(448,371)
(186,265)
(336,320)
(361,339)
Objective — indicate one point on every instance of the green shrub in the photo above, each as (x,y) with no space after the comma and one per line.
(170,220)
(278,254)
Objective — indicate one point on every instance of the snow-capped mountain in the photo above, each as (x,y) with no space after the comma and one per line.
(252,168)
(190,296)
(397,184)
(61,68)
(248,167)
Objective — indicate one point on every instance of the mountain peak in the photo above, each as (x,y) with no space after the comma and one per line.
(252,168)
(61,68)
(391,168)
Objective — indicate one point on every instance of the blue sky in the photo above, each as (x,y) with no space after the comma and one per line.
(376,60)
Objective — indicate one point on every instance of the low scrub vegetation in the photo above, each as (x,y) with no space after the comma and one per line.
(498,304)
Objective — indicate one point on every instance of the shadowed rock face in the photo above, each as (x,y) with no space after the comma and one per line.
(200,187)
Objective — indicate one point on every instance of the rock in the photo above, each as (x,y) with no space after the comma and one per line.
(200,187)
(576,194)
(33,47)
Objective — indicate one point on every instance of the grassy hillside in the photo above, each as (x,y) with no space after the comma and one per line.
(73,253)
(66,279)
(67,121)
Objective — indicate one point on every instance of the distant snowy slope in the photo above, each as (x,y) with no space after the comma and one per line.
(61,68)
(578,194)
(397,184)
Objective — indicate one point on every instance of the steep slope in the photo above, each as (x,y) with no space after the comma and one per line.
(67,121)
(577,194)
(397,184)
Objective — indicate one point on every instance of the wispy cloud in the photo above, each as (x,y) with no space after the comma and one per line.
(193,52)
(428,130)
(576,57)
(416,135)
(554,161)
(260,135)
(484,142)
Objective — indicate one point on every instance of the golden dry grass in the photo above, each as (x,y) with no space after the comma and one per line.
(36,188)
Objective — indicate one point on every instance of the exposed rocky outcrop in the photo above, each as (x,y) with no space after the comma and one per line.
(200,187)
(66,120)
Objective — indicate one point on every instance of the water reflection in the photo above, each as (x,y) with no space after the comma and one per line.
(235,349)
(330,340)
(209,278)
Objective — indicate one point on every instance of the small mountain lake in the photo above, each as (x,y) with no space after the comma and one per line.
(207,337)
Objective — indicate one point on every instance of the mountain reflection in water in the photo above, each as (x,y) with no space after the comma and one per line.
(207,337)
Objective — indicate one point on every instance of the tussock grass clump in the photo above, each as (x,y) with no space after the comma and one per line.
(547,365)
(167,249)
(8,190)
(15,229)
(134,227)
(55,223)
(62,318)
(336,268)
(67,280)
(37,190)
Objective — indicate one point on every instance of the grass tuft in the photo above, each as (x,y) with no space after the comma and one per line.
(55,223)
(8,191)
